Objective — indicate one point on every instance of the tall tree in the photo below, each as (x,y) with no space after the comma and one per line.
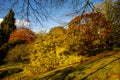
(94,29)
(1,35)
(7,26)
(115,20)
(111,9)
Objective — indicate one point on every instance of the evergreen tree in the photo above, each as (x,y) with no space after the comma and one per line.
(7,26)
(1,37)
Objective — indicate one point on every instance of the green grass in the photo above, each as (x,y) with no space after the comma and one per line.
(7,65)
(104,66)
(7,70)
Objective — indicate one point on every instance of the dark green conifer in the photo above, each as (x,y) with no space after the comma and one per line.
(7,26)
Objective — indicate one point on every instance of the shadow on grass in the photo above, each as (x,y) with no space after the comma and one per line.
(61,74)
(9,72)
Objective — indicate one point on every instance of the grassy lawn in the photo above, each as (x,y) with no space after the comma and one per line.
(104,66)
(10,69)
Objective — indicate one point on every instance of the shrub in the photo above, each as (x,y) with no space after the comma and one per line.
(69,59)
(20,53)
(43,62)
(8,46)
(51,51)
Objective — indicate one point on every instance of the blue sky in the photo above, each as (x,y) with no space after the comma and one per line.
(57,16)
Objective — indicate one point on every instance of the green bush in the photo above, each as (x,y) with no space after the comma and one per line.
(20,53)
(6,47)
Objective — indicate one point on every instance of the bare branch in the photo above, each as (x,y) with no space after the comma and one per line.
(39,9)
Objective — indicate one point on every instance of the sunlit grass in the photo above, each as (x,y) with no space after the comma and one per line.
(101,69)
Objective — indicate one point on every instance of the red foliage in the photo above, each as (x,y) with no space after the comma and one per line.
(24,34)
(89,23)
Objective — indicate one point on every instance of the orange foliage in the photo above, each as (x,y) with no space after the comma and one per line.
(90,23)
(24,34)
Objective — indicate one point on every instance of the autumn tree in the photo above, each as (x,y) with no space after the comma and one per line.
(59,30)
(7,26)
(111,9)
(94,29)
(24,34)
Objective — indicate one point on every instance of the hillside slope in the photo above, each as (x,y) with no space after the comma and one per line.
(105,66)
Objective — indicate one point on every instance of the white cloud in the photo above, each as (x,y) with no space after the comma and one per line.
(1,20)
(20,23)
